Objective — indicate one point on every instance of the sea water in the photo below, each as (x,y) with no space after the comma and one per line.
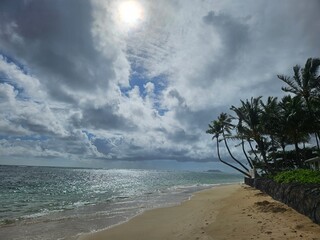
(59,203)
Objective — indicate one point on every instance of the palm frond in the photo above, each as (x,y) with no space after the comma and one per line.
(297,75)
(293,88)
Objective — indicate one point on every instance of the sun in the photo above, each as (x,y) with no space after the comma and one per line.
(130,13)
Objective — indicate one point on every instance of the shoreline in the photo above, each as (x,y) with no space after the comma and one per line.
(222,212)
(174,204)
(123,230)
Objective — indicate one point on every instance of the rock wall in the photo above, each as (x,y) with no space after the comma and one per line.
(304,198)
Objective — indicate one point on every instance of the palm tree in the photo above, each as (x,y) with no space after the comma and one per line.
(243,131)
(305,80)
(295,122)
(270,120)
(216,128)
(225,121)
(250,116)
(306,84)
(242,136)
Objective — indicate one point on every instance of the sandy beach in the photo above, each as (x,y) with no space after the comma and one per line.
(225,212)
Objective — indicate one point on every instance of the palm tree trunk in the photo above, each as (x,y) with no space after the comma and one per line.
(230,165)
(245,153)
(316,134)
(264,155)
(225,142)
(284,157)
(254,152)
(298,157)
(317,140)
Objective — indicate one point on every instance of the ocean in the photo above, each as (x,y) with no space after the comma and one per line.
(59,203)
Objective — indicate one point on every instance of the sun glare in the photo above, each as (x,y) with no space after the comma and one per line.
(130,12)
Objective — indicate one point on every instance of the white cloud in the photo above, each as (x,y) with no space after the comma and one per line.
(30,85)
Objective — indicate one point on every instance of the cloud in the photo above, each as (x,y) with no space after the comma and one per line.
(235,39)
(56,41)
(105,117)
(75,83)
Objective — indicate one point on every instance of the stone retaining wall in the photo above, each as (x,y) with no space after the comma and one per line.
(304,198)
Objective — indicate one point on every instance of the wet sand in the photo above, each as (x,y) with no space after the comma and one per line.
(225,212)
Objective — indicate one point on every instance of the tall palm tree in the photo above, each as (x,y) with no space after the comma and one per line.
(216,130)
(270,120)
(244,132)
(305,80)
(225,121)
(250,115)
(242,136)
(305,83)
(295,122)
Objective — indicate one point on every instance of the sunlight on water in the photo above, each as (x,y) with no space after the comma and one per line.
(64,195)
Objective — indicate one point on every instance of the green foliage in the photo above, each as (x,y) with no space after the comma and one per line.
(298,176)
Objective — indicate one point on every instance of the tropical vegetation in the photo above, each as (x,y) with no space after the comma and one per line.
(274,135)
(298,176)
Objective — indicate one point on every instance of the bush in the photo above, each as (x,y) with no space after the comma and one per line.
(298,176)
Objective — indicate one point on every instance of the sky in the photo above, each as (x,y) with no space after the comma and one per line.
(135,83)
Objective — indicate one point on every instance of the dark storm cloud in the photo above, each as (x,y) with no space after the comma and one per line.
(53,38)
(180,135)
(106,118)
(235,38)
(234,34)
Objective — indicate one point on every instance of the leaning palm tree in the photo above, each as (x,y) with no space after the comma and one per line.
(225,121)
(250,116)
(241,134)
(216,130)
(244,132)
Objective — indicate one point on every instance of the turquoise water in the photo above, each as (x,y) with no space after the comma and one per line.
(67,201)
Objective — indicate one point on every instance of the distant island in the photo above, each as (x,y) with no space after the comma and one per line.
(215,170)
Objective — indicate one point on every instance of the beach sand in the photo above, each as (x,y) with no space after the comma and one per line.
(225,212)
